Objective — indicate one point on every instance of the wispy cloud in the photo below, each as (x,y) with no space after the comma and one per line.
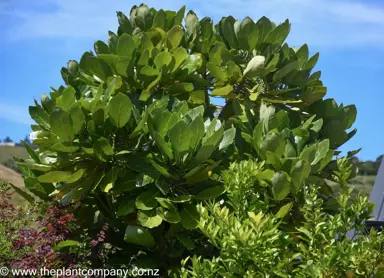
(322,23)
(14,113)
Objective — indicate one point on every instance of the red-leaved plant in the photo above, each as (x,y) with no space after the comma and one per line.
(55,226)
(27,241)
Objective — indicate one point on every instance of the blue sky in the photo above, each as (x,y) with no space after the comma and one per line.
(38,37)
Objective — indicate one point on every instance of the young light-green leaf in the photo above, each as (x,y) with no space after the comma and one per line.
(224,91)
(174,36)
(55,176)
(283,211)
(149,219)
(254,65)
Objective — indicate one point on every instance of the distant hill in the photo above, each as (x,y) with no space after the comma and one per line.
(11,176)
(363,184)
(16,179)
(8,152)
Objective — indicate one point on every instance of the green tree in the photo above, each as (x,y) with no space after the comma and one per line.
(135,134)
(7,140)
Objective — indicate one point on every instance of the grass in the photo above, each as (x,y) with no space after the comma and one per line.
(7,152)
(363,184)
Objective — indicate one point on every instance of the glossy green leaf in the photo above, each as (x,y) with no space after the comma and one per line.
(149,71)
(77,118)
(119,109)
(181,199)
(101,47)
(284,210)
(228,138)
(55,176)
(64,147)
(273,160)
(144,17)
(224,91)
(61,125)
(321,151)
(125,46)
(254,65)
(280,186)
(227,28)
(40,116)
(126,206)
(299,174)
(192,63)
(163,59)
(311,62)
(189,216)
(47,103)
(125,25)
(174,36)
(149,219)
(210,193)
(284,71)
(165,203)
(112,42)
(147,200)
(103,149)
(171,216)
(209,146)
(180,138)
(179,56)
(164,146)
(139,235)
(248,34)
(32,153)
(191,23)
(302,55)
(68,98)
(274,143)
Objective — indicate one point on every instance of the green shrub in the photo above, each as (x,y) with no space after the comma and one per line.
(11,164)
(137,135)
(294,241)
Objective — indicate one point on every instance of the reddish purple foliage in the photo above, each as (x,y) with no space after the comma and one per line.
(100,237)
(53,228)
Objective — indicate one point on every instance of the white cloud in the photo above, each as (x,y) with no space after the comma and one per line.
(321,23)
(14,113)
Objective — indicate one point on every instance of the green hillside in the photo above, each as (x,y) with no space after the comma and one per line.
(7,153)
(363,184)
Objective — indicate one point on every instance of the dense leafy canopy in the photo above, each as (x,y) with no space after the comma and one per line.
(137,136)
